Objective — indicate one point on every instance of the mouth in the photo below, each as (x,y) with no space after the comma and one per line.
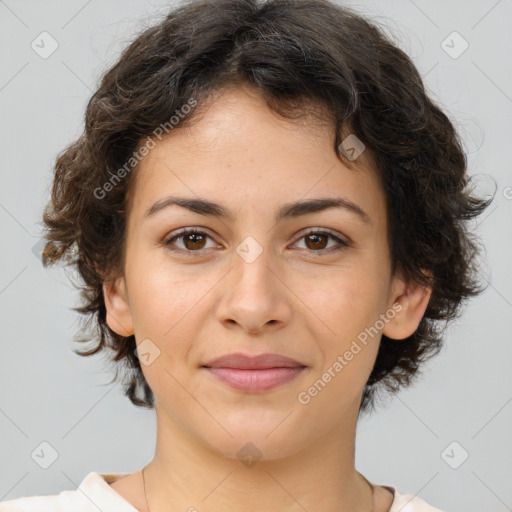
(254,373)
(255,380)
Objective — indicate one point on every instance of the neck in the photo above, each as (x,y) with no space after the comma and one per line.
(187,473)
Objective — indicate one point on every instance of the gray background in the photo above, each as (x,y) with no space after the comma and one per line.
(49,394)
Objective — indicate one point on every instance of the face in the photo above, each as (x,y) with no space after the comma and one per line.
(307,284)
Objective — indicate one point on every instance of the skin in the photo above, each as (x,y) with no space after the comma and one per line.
(293,300)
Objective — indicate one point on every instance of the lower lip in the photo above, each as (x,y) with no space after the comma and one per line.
(255,380)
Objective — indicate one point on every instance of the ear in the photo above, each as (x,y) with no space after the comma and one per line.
(409,300)
(119,317)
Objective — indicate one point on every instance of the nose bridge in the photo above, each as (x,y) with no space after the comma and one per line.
(254,251)
(254,295)
(253,263)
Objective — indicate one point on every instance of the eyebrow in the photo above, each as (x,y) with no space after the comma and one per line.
(289,210)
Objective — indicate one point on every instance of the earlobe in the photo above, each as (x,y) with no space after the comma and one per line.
(410,306)
(119,317)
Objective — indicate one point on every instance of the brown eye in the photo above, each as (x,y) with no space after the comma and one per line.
(317,241)
(192,241)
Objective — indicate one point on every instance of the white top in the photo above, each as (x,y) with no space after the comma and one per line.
(95,494)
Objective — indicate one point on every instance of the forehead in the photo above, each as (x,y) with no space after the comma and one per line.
(240,153)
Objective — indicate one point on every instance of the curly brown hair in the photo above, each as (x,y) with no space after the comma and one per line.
(296,53)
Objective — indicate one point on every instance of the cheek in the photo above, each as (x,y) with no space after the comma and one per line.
(346,306)
(163,299)
(344,301)
(169,309)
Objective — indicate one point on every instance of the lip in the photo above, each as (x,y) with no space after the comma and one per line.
(254,373)
(256,362)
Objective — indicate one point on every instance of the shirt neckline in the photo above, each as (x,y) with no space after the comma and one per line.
(109,497)
(104,479)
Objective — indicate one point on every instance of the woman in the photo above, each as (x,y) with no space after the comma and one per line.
(269,217)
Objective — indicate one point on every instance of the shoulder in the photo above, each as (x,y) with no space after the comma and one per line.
(92,494)
(410,503)
(65,501)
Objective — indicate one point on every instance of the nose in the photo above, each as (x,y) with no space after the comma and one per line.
(253,296)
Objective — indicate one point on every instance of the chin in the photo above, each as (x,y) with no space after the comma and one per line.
(251,443)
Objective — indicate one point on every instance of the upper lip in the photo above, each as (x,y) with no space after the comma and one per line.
(256,362)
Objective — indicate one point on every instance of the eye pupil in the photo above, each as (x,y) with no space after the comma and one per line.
(194,237)
(315,238)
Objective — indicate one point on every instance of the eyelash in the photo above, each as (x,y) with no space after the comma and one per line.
(187,231)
